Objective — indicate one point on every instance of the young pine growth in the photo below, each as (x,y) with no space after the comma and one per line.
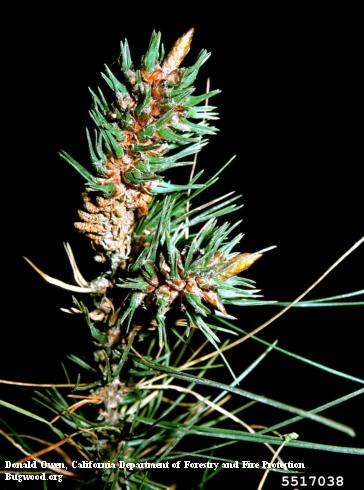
(137,222)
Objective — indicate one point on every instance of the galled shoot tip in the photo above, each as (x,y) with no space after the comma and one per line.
(178,53)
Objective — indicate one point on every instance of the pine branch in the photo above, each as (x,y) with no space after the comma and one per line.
(170,271)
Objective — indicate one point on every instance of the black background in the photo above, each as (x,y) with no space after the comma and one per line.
(290,109)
